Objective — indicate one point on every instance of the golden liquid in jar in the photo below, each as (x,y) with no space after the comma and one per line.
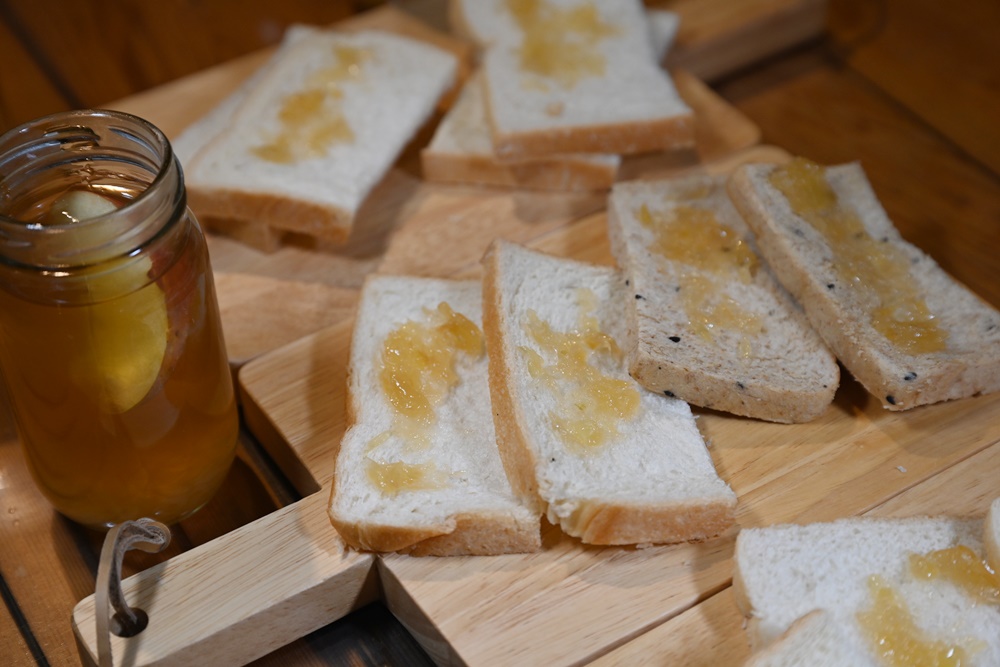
(560,44)
(591,403)
(961,566)
(877,270)
(417,372)
(312,120)
(897,641)
(710,255)
(121,387)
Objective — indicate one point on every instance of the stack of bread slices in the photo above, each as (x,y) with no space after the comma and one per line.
(564,91)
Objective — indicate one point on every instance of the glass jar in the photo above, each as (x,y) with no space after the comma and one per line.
(110,337)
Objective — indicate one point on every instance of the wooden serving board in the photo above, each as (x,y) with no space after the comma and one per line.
(572,603)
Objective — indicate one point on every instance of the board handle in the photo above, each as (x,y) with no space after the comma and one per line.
(242,595)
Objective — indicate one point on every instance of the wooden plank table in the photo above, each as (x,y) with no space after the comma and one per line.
(942,196)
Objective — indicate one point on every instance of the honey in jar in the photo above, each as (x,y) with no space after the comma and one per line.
(110,338)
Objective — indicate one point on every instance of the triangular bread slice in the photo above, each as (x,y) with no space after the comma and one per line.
(425,488)
(783,572)
(610,462)
(919,336)
(707,321)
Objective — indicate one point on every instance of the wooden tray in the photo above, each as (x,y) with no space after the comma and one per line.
(277,579)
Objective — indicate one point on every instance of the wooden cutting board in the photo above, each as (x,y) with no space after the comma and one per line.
(572,603)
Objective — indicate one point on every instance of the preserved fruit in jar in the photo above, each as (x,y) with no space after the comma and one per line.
(110,337)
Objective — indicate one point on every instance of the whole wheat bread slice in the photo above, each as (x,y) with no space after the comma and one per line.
(802,259)
(766,363)
(460,501)
(651,479)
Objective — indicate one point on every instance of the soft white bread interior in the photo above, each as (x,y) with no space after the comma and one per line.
(461,151)
(814,640)
(707,321)
(322,124)
(783,572)
(565,76)
(908,331)
(610,462)
(431,486)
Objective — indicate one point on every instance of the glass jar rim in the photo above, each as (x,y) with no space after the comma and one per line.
(57,130)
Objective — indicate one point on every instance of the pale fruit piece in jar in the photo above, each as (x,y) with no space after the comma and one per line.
(126,329)
(77,205)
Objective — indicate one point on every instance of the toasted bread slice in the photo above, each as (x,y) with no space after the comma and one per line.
(610,462)
(909,332)
(430,482)
(707,321)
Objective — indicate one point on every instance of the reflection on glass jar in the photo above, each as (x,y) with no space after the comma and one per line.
(110,339)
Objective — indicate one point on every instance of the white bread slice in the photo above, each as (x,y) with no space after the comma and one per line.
(382,87)
(783,572)
(468,506)
(766,361)
(651,481)
(611,98)
(462,152)
(814,640)
(803,261)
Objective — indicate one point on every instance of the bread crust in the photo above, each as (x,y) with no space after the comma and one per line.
(899,380)
(557,174)
(517,455)
(626,138)
(608,523)
(272,210)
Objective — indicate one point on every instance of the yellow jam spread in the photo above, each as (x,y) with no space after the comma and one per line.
(897,641)
(417,372)
(394,478)
(418,361)
(590,402)
(961,566)
(877,270)
(711,256)
(312,120)
(560,44)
